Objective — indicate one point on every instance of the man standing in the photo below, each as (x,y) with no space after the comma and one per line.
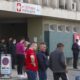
(42,61)
(57,63)
(9,45)
(31,63)
(3,47)
(13,53)
(75,49)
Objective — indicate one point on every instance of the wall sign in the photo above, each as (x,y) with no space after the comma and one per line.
(28,8)
(6,64)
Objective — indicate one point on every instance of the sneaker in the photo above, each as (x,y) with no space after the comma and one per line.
(21,76)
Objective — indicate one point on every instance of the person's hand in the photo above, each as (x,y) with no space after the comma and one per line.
(34,64)
(66,70)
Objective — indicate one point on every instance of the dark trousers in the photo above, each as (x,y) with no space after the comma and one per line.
(75,59)
(32,75)
(13,58)
(42,75)
(20,63)
(60,75)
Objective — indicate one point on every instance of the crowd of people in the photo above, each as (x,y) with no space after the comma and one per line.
(9,47)
(34,59)
(38,62)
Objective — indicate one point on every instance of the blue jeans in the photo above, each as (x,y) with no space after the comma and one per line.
(42,75)
(32,75)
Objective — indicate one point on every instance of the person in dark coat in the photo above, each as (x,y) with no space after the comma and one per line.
(42,62)
(75,50)
(57,63)
(13,53)
(3,47)
(9,45)
(47,53)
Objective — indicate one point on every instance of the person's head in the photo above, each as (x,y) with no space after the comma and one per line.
(42,47)
(10,39)
(14,41)
(60,46)
(3,40)
(77,40)
(33,45)
(27,43)
(22,40)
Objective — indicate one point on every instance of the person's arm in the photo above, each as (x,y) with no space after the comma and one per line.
(50,62)
(33,60)
(72,47)
(78,47)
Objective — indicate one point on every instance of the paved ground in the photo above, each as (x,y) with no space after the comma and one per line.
(71,74)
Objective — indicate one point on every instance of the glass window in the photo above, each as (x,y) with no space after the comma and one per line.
(45,2)
(68,28)
(61,28)
(75,29)
(53,27)
(46,27)
(26,1)
(36,1)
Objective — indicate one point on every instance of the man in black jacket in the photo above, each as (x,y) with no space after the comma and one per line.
(57,63)
(9,45)
(13,53)
(42,62)
(75,49)
(3,47)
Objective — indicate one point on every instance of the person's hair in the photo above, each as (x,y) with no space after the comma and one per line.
(31,43)
(21,38)
(42,43)
(76,40)
(59,45)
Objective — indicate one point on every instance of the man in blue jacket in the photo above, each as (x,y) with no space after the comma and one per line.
(42,62)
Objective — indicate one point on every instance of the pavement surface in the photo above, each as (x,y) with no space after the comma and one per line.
(72,73)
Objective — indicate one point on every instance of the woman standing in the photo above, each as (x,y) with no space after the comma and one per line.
(20,50)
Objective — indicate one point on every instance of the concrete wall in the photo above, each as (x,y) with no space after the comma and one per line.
(60,21)
(64,22)
(45,11)
(6,5)
(35,28)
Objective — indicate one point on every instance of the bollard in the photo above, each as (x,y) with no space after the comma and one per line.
(77,78)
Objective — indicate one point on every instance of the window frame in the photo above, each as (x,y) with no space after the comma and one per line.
(62,26)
